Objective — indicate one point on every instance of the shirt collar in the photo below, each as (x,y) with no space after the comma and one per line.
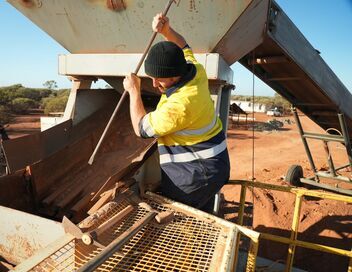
(191,72)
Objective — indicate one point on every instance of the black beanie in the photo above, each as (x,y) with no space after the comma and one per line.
(165,59)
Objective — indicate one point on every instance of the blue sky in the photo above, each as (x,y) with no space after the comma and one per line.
(29,55)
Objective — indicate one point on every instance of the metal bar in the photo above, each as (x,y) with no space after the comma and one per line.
(323,248)
(294,231)
(293,190)
(242,204)
(328,175)
(321,113)
(325,186)
(237,250)
(252,255)
(305,144)
(70,105)
(323,137)
(115,245)
(302,104)
(240,222)
(329,158)
(342,167)
(345,137)
(124,94)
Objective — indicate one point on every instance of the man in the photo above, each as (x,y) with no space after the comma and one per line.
(193,154)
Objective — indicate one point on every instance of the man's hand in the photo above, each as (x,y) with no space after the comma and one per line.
(132,84)
(161,24)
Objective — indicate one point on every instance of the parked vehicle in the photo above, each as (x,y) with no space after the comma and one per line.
(274,112)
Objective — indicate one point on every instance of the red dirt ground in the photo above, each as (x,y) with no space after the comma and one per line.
(322,221)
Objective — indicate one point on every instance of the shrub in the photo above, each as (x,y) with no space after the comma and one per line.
(5,115)
(55,104)
(22,105)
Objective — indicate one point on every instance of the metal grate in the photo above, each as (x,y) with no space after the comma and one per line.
(185,244)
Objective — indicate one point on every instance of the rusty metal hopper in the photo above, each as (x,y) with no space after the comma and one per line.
(54,179)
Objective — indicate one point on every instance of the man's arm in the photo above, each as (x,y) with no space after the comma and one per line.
(161,25)
(132,85)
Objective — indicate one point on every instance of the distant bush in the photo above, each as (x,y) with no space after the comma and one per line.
(55,104)
(34,94)
(22,105)
(5,115)
(17,99)
(9,93)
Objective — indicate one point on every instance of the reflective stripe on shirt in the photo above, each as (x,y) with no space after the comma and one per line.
(191,156)
(145,128)
(200,131)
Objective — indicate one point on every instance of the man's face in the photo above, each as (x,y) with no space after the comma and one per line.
(164,83)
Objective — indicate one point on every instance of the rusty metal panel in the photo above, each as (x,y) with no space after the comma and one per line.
(23,151)
(14,192)
(71,181)
(90,26)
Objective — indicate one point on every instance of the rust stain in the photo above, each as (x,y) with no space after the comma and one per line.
(116,5)
(27,3)
(31,3)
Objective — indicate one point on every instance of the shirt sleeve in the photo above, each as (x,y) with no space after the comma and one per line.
(168,118)
(187,51)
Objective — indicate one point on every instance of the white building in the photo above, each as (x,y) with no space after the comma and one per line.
(247,106)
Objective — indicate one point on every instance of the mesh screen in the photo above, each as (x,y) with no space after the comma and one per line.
(185,244)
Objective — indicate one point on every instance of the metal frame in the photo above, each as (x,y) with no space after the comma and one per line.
(332,172)
(62,249)
(293,242)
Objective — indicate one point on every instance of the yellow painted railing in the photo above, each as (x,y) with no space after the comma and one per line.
(292,242)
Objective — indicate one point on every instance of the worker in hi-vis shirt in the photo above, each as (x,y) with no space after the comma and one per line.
(193,155)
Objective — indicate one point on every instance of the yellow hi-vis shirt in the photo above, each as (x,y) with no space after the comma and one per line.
(185,115)
(191,144)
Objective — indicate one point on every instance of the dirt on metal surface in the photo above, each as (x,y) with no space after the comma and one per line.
(322,221)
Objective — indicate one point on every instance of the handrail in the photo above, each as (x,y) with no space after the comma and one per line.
(255,236)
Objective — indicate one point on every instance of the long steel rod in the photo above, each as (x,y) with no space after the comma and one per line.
(124,94)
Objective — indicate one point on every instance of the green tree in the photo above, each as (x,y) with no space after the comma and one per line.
(50,84)
(34,94)
(55,104)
